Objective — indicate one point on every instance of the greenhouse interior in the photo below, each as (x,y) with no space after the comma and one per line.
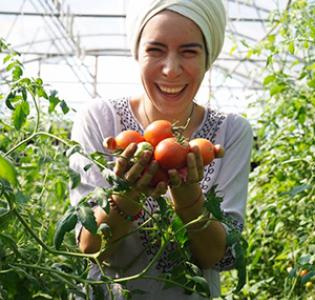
(58,56)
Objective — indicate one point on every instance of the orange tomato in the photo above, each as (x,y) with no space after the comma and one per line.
(206,149)
(122,140)
(158,131)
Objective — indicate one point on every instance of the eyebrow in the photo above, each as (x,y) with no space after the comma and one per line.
(188,45)
(192,45)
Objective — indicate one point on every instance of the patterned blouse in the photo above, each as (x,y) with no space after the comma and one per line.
(101,119)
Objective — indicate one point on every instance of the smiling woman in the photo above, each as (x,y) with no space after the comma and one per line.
(175,43)
(172,66)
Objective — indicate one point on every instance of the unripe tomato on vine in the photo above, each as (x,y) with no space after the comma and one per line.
(309,285)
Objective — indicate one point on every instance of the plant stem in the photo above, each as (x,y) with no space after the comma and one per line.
(32,136)
(41,243)
(37,112)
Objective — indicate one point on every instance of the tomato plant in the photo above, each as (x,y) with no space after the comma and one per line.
(171,154)
(158,131)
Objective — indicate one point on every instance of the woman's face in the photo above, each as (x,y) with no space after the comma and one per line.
(172,61)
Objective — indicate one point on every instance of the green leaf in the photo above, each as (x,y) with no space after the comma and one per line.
(311,83)
(277,88)
(8,100)
(73,149)
(64,107)
(202,282)
(291,47)
(162,205)
(7,58)
(39,81)
(269,79)
(233,237)
(178,228)
(23,92)
(53,102)
(7,171)
(17,73)
(64,225)
(87,218)
(41,92)
(60,190)
(213,204)
(21,198)
(19,115)
(75,178)
(100,158)
(308,277)
(240,265)
(11,66)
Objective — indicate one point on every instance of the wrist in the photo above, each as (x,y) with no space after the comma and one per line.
(128,209)
(181,206)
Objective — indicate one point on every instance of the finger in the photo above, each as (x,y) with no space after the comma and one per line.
(199,162)
(147,176)
(175,179)
(159,190)
(192,171)
(136,170)
(123,161)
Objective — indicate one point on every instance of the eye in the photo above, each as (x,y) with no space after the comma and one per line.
(189,53)
(154,51)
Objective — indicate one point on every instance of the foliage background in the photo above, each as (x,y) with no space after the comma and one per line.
(280,218)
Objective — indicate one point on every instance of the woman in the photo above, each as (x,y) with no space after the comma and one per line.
(175,43)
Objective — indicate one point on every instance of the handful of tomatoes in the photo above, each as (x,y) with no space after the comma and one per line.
(169,149)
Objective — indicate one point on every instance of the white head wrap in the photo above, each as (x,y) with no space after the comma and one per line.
(209,15)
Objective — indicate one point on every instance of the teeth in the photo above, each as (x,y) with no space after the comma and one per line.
(169,90)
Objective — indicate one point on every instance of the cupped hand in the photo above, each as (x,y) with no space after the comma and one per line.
(184,184)
(138,172)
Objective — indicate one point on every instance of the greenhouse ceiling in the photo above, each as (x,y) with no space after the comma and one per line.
(79,49)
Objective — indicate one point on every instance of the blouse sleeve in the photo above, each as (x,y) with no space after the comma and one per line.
(232,179)
(92,124)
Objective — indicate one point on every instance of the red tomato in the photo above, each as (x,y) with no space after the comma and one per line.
(171,154)
(127,137)
(158,131)
(206,149)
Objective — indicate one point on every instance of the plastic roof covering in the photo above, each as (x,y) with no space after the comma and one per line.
(79,48)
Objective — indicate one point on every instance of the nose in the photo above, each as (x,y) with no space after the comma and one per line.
(172,66)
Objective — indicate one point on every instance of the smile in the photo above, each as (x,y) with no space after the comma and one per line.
(171,90)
